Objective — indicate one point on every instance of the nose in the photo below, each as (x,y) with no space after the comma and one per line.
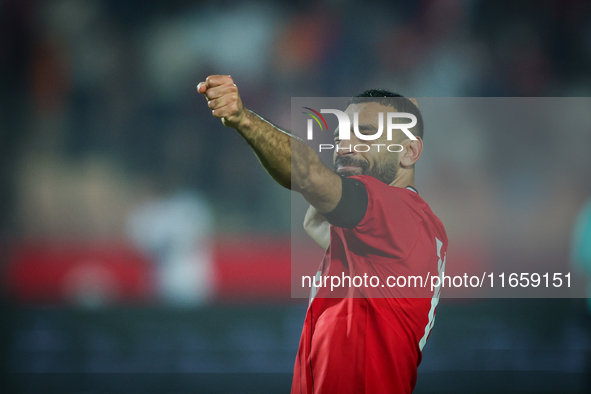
(345,148)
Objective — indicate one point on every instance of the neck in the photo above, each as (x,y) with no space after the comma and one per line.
(404,177)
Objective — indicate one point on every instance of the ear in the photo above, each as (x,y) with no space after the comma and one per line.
(412,152)
(414,101)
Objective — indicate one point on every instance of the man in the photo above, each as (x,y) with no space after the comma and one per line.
(356,339)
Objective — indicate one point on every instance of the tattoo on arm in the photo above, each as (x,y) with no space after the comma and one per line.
(291,162)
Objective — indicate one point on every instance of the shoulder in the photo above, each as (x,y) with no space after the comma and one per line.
(377,189)
(404,204)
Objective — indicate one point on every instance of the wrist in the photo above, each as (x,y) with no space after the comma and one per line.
(245,120)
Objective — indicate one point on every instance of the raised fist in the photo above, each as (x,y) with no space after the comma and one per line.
(223,99)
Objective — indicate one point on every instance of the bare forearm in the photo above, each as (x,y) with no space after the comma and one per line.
(285,157)
(291,162)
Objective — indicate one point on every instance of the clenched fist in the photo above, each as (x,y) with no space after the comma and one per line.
(223,99)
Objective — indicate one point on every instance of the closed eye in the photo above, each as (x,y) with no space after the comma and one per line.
(367,129)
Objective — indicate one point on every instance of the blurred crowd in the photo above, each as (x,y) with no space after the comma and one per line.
(99,110)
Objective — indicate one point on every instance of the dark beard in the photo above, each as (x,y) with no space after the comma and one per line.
(385,172)
(350,161)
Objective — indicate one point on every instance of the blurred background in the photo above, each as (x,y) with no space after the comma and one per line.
(143,246)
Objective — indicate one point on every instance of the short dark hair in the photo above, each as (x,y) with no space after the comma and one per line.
(394,100)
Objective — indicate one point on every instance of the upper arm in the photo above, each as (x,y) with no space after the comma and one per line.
(322,188)
(342,201)
(352,206)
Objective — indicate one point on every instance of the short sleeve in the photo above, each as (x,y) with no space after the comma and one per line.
(352,206)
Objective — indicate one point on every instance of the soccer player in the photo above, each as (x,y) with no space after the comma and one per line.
(356,339)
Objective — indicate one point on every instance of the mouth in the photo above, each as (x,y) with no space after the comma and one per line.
(347,168)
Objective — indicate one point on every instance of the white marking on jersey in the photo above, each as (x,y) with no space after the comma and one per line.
(436,293)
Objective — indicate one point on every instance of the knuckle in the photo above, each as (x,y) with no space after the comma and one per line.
(211,93)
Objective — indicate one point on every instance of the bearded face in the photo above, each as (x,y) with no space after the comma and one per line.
(377,162)
(384,168)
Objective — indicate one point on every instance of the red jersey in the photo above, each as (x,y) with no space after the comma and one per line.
(369,338)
